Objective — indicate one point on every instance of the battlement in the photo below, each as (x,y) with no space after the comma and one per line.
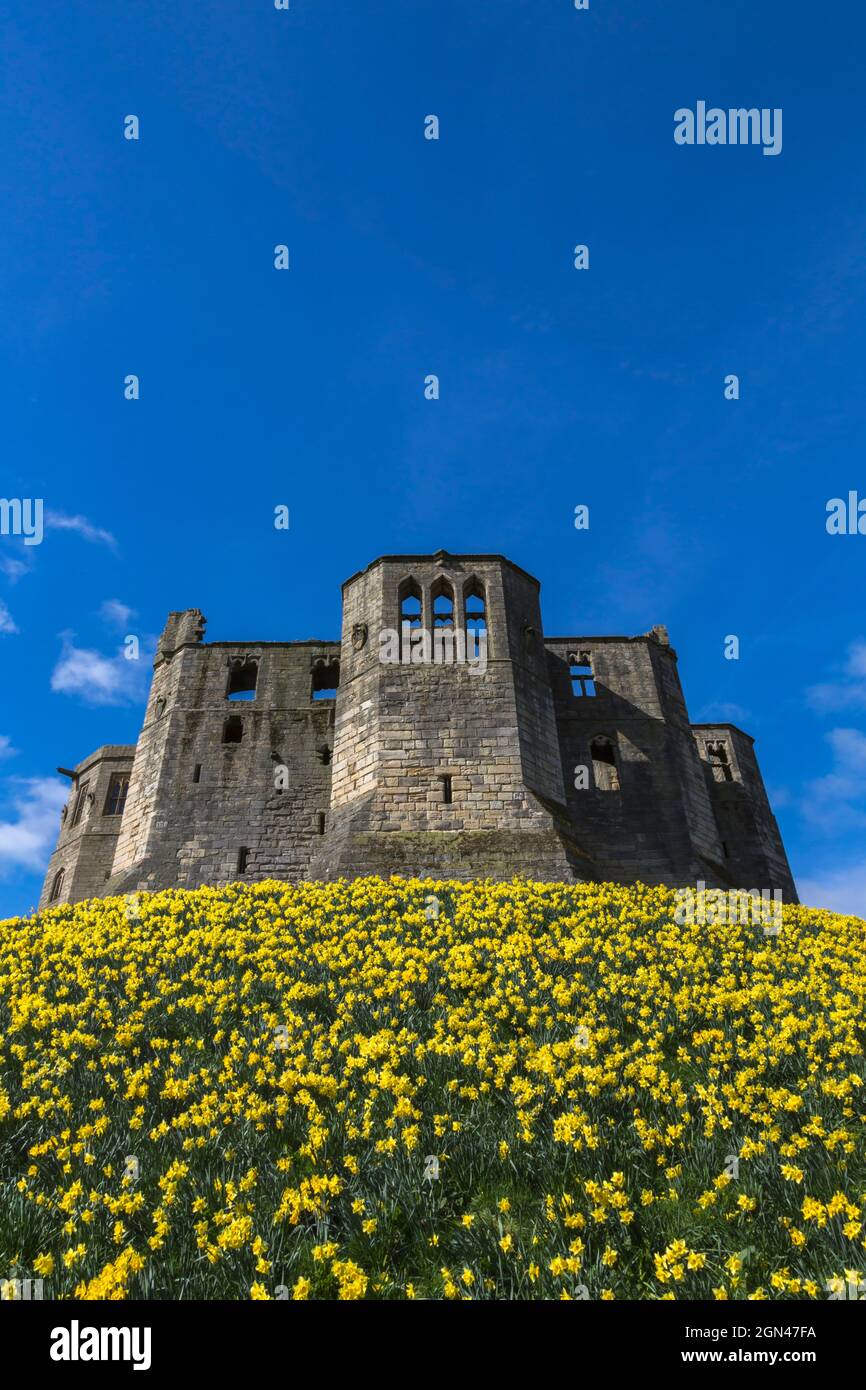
(441,734)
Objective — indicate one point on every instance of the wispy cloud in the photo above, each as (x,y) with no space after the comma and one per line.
(725,713)
(6,749)
(96,679)
(29,828)
(59,521)
(839,890)
(116,614)
(14,568)
(837,801)
(7,622)
(849,691)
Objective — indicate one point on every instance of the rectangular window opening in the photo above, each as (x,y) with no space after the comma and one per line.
(243,676)
(446,789)
(115,801)
(582,681)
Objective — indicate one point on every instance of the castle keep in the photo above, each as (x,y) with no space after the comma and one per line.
(561,758)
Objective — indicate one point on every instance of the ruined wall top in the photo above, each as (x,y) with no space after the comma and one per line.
(182,627)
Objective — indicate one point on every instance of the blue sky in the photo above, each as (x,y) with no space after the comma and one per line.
(409,256)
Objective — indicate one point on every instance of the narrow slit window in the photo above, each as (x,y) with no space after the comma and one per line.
(196,773)
(447,794)
(118,787)
(57,885)
(80,803)
(243,859)
(233,729)
(320,822)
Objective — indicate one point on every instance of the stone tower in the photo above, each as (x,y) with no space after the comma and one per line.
(447,766)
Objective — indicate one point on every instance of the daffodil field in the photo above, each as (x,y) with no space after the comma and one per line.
(415,1090)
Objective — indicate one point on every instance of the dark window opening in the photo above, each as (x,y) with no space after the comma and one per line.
(321,822)
(57,885)
(717,755)
(243,859)
(233,729)
(324,754)
(446,790)
(580,670)
(242,680)
(80,802)
(725,848)
(326,679)
(196,773)
(604,766)
(118,787)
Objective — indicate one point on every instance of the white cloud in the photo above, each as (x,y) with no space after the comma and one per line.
(59,521)
(27,838)
(849,692)
(779,796)
(840,890)
(99,680)
(116,614)
(838,800)
(856,664)
(6,749)
(723,713)
(12,568)
(7,622)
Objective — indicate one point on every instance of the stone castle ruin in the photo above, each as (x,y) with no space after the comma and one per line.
(560,758)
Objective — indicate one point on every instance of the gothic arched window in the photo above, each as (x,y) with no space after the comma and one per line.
(80,803)
(409,597)
(442,595)
(57,885)
(475,607)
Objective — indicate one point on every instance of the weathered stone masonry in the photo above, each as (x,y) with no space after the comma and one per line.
(565,758)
